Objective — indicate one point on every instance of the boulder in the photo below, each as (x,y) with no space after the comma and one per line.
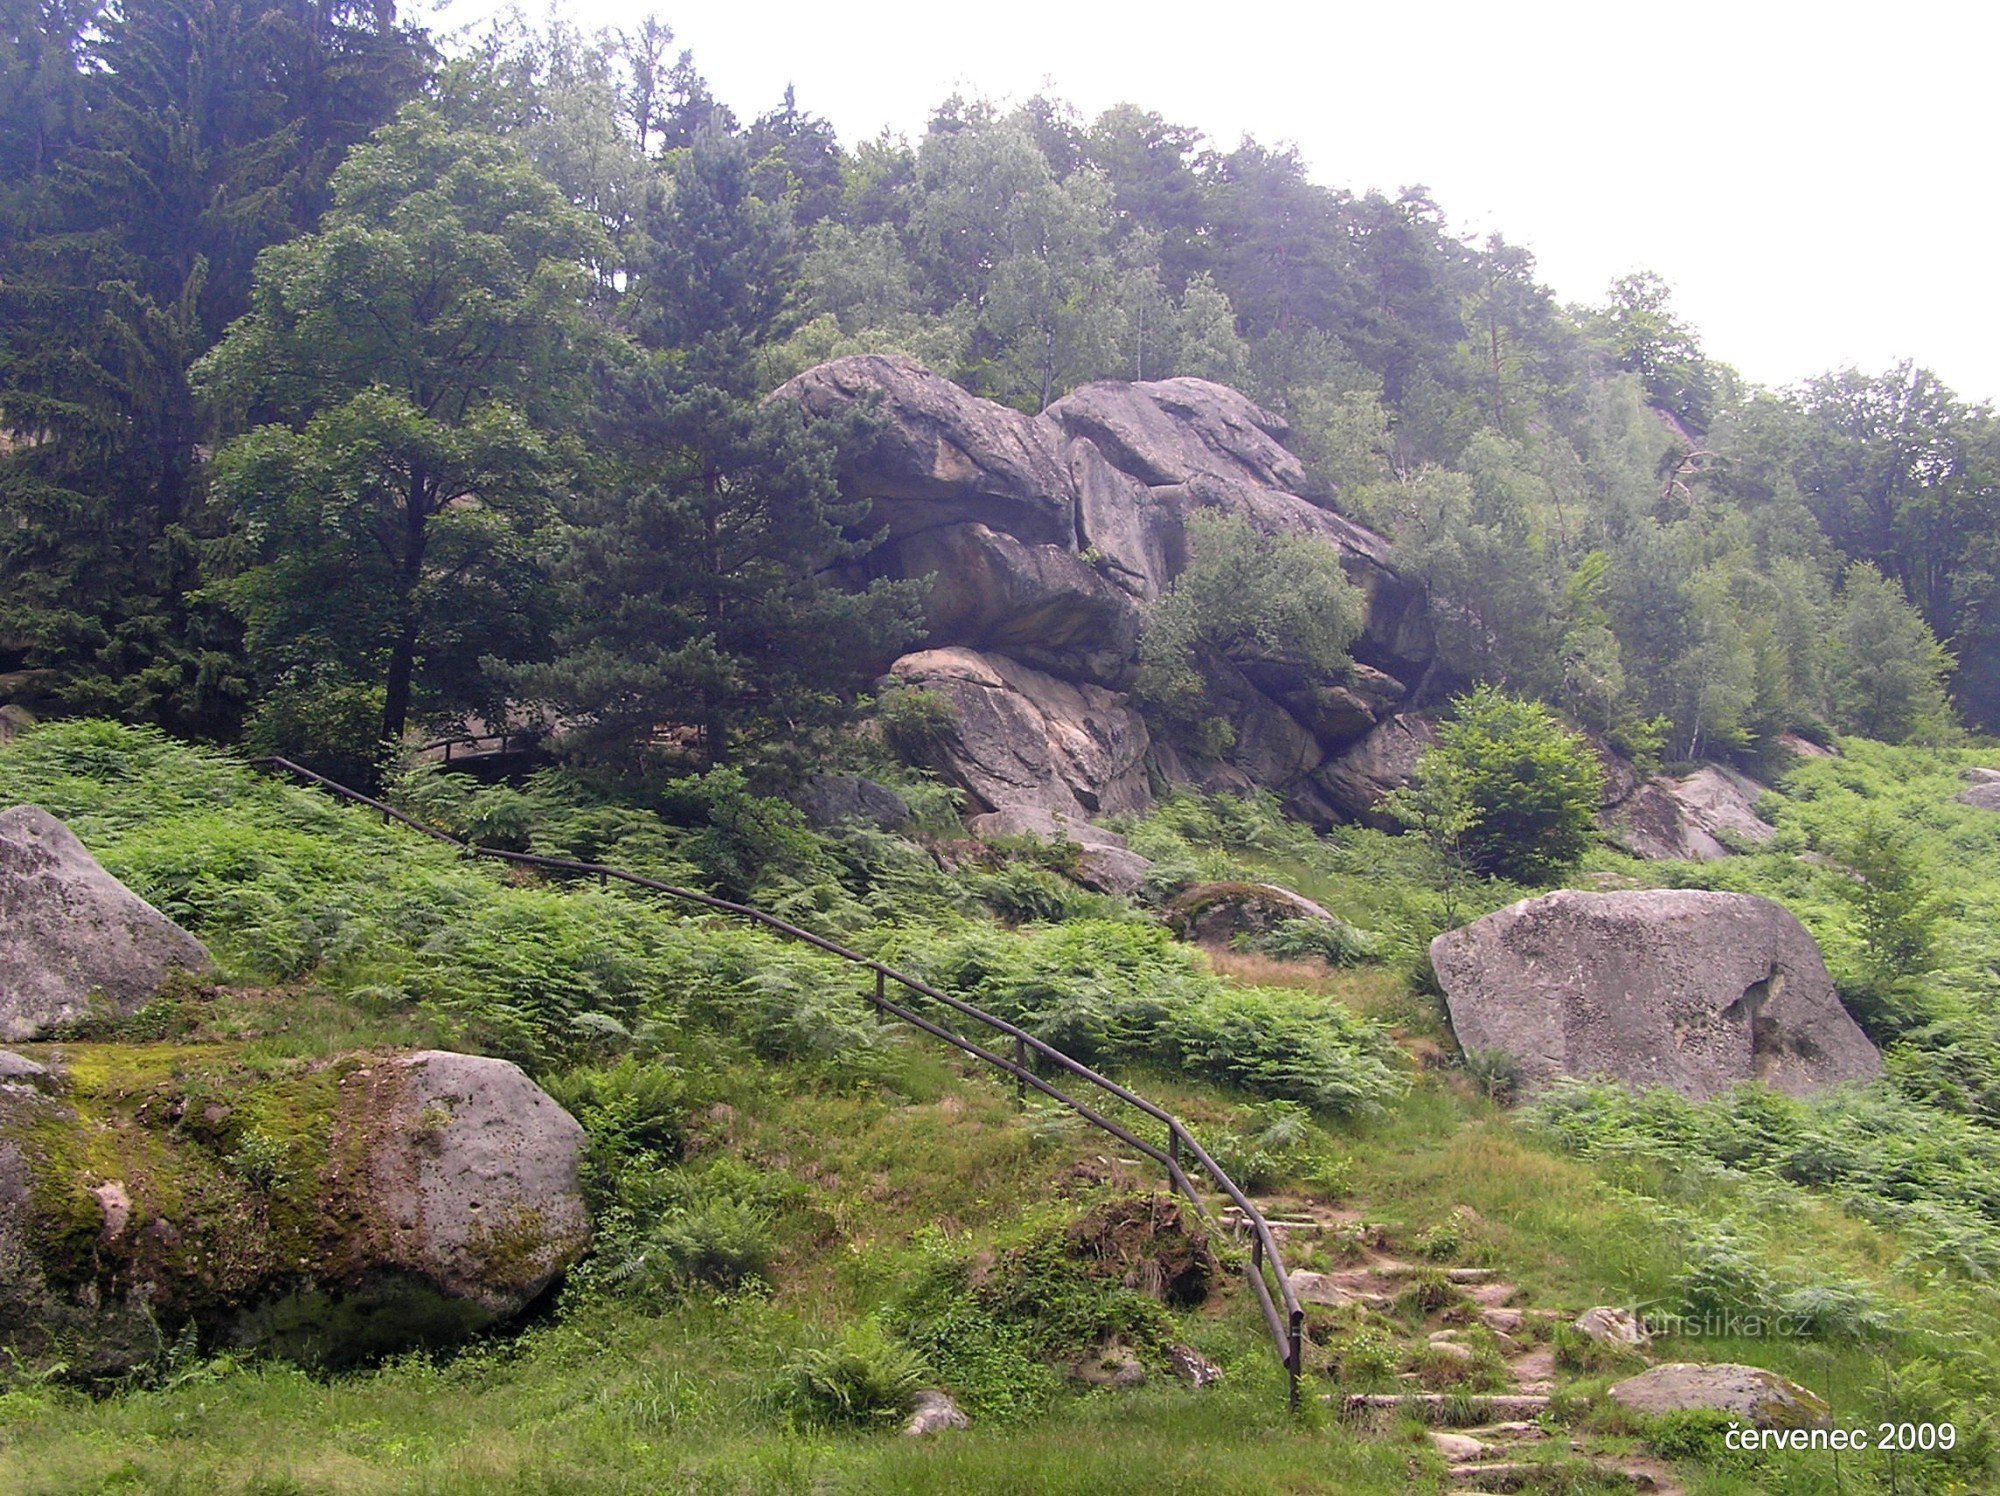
(325,1212)
(1023,738)
(1039,604)
(1614,1327)
(934,1413)
(1336,713)
(71,935)
(1800,747)
(470,1177)
(19,1070)
(1702,816)
(1175,430)
(1137,534)
(1764,1398)
(1723,803)
(1356,782)
(828,800)
(1216,913)
(1681,988)
(1103,861)
(1191,1366)
(14,721)
(1981,796)
(943,456)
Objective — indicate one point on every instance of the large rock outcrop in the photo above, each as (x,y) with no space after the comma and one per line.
(943,457)
(1383,761)
(1044,535)
(71,935)
(1698,817)
(326,1212)
(1038,604)
(1023,738)
(1691,990)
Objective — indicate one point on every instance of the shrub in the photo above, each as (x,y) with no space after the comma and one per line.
(1532,787)
(1243,591)
(865,1377)
(1335,942)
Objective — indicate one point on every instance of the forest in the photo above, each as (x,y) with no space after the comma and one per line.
(353,381)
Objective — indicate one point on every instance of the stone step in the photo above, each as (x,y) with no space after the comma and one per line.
(1493,1404)
(1497,1475)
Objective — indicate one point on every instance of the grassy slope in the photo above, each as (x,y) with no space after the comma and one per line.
(613,1396)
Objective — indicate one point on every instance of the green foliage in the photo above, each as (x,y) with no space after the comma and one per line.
(1892,681)
(1897,910)
(1120,991)
(863,1378)
(419,349)
(1333,941)
(1510,785)
(1893,1161)
(915,722)
(1244,595)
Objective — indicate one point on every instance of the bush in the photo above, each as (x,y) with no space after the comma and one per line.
(1532,787)
(863,1378)
(1243,591)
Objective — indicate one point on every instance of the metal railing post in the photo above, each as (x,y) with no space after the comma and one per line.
(1295,1358)
(1020,1072)
(881,992)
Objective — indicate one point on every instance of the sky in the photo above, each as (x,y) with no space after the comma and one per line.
(1816,182)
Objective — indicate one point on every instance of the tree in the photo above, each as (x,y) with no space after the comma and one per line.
(1647,339)
(1437,807)
(700,601)
(1533,787)
(697,590)
(1244,595)
(1026,252)
(719,269)
(414,358)
(149,153)
(1897,909)
(1891,668)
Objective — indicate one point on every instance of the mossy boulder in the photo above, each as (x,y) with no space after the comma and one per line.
(327,1210)
(1764,1398)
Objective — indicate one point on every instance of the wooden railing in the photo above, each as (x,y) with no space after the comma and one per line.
(1174,1153)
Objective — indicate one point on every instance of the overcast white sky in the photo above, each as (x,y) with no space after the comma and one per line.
(1815,180)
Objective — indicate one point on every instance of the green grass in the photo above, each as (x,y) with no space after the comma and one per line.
(743,1099)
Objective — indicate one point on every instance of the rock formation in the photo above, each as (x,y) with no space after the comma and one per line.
(1691,990)
(1044,536)
(326,1212)
(1103,861)
(1024,738)
(1982,794)
(1764,1398)
(71,934)
(1701,816)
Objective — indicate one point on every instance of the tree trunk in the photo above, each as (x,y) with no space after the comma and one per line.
(400,687)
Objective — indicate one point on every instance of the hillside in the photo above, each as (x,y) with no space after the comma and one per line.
(741,1101)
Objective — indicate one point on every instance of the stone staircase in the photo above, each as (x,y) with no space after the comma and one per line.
(1499,1436)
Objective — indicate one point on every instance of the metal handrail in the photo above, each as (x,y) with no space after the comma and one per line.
(474,739)
(1287,1328)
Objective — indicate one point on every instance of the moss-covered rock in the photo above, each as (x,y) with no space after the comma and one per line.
(326,1210)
